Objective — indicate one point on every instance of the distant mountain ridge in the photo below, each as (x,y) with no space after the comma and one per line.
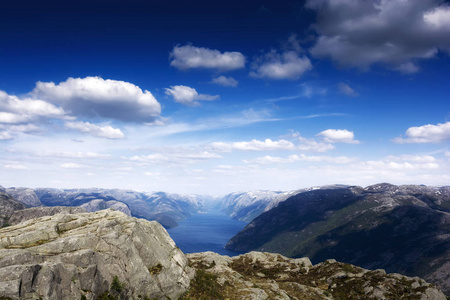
(166,208)
(245,206)
(401,229)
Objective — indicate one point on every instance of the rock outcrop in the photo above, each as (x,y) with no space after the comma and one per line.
(100,204)
(90,255)
(23,215)
(258,275)
(8,206)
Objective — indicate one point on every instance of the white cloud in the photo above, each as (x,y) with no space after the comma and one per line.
(188,96)
(300,158)
(253,145)
(426,134)
(447,153)
(338,136)
(73,166)
(347,90)
(408,68)
(225,81)
(27,128)
(287,65)
(175,156)
(64,154)
(15,110)
(95,130)
(4,135)
(413,158)
(362,33)
(189,57)
(97,97)
(313,145)
(16,167)
(438,17)
(10,118)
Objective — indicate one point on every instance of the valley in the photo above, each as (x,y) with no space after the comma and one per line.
(402,229)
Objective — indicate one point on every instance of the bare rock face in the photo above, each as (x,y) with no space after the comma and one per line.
(90,255)
(99,204)
(22,215)
(7,207)
(260,275)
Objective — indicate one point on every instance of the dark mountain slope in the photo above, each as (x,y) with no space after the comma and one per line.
(398,228)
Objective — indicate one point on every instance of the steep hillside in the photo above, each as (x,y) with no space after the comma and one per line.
(7,207)
(398,228)
(245,206)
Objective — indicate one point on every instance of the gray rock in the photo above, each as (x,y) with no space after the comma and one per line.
(99,204)
(261,275)
(67,256)
(7,206)
(19,216)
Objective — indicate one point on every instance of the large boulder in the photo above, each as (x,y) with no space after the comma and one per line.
(90,255)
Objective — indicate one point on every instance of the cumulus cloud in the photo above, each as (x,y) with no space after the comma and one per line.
(107,131)
(361,33)
(190,57)
(253,145)
(287,65)
(225,81)
(426,134)
(338,136)
(98,97)
(15,110)
(347,90)
(188,96)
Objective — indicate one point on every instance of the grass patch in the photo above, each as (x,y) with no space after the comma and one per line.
(156,269)
(203,287)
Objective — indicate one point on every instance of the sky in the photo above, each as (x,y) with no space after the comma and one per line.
(212,97)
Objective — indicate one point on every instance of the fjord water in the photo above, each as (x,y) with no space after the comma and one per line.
(208,231)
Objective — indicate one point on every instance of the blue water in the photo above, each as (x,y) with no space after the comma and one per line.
(206,232)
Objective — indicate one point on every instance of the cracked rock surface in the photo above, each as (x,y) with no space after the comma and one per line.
(87,255)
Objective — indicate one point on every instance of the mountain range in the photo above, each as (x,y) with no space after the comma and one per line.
(401,229)
(166,208)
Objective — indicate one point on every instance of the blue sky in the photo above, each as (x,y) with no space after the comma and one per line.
(202,97)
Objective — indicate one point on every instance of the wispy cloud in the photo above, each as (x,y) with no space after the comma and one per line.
(106,131)
(225,81)
(347,90)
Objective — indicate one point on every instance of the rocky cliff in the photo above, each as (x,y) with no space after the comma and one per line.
(261,276)
(109,255)
(90,255)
